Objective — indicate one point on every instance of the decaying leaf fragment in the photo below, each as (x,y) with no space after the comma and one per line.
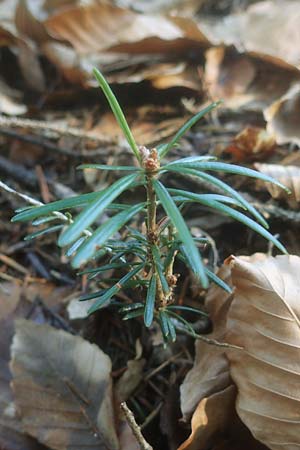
(62,389)
(252,143)
(264,319)
(287,175)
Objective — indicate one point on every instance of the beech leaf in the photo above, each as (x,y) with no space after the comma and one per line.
(264,319)
(62,389)
(287,175)
(12,436)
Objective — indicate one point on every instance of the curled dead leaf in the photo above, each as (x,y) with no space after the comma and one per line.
(264,27)
(287,175)
(67,62)
(216,426)
(251,79)
(62,388)
(264,319)
(251,144)
(283,117)
(211,418)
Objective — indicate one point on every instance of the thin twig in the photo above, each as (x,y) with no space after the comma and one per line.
(106,144)
(135,428)
(103,149)
(25,197)
(16,122)
(209,341)
(152,415)
(162,366)
(216,343)
(34,202)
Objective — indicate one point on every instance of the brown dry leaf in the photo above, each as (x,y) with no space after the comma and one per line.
(30,66)
(189,39)
(149,132)
(67,62)
(264,319)
(252,143)
(99,26)
(78,68)
(210,373)
(270,27)
(287,175)
(176,75)
(31,14)
(283,117)
(251,79)
(27,24)
(102,26)
(102,35)
(130,380)
(148,125)
(12,435)
(7,38)
(190,28)
(161,76)
(216,426)
(62,388)
(26,54)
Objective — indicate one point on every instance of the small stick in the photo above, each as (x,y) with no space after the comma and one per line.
(152,415)
(16,122)
(209,341)
(101,150)
(134,427)
(34,202)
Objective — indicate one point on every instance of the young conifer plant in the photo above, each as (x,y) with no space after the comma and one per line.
(145,259)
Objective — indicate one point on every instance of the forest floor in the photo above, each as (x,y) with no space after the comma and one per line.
(163,68)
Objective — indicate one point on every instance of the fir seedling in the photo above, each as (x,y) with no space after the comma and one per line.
(146,260)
